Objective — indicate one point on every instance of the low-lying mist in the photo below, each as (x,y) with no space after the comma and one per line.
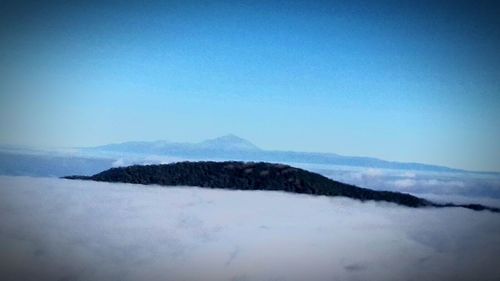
(55,229)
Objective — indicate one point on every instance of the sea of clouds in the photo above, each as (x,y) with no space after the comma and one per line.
(54,229)
(441,186)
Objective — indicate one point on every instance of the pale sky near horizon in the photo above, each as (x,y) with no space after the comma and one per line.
(393,80)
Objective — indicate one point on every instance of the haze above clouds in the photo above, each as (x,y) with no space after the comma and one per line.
(55,229)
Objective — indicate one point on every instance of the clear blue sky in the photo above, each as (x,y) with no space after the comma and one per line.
(398,81)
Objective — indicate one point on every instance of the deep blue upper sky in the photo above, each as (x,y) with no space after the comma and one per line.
(392,79)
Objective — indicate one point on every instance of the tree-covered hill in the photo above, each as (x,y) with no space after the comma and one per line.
(254,176)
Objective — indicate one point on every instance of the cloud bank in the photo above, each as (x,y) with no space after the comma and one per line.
(56,229)
(416,182)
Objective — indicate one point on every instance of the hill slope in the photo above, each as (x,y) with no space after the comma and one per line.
(256,176)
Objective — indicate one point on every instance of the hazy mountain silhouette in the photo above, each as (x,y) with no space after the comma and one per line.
(228,142)
(26,164)
(231,147)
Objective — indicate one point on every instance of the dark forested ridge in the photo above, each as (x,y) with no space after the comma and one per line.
(255,176)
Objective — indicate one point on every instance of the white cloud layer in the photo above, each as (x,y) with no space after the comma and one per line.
(415,182)
(56,229)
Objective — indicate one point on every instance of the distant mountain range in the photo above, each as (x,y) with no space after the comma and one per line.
(231,147)
(20,160)
(228,144)
(39,164)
